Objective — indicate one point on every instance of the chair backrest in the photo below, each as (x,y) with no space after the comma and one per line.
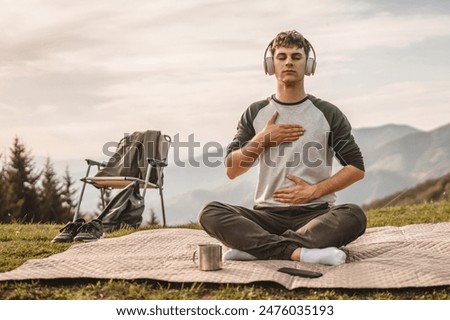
(132,154)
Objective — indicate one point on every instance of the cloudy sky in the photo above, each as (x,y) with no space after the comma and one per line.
(77,74)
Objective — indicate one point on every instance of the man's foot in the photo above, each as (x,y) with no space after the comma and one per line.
(235,254)
(69,231)
(330,256)
(90,231)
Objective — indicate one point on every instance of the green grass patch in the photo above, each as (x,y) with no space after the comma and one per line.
(413,214)
(21,242)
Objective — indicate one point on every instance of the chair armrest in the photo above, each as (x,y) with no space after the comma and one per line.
(157,163)
(95,163)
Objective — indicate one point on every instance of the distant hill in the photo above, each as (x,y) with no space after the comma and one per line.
(399,163)
(429,191)
(374,137)
(419,154)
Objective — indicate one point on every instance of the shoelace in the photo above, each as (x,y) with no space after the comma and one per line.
(87,227)
(70,227)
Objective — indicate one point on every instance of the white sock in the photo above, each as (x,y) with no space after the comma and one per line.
(331,256)
(235,254)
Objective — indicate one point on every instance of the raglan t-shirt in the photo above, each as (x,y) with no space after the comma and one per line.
(327,134)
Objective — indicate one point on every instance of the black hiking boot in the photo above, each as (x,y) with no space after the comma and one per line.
(90,231)
(69,231)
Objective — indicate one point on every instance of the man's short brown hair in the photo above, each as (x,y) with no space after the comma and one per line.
(289,39)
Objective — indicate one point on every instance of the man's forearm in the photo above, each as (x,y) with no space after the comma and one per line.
(240,161)
(339,181)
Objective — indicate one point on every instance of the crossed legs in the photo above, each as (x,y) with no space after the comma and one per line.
(286,233)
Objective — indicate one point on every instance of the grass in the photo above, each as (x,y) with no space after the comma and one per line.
(21,242)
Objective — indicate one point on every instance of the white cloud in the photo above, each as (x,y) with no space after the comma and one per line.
(403,103)
(73,70)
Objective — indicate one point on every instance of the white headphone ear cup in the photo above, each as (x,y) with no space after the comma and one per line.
(310,66)
(268,66)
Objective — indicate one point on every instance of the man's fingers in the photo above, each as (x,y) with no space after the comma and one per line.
(296,179)
(273,118)
(282,192)
(291,126)
(291,129)
(279,133)
(290,135)
(282,200)
(283,197)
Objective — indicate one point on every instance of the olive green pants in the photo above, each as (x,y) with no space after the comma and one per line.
(275,232)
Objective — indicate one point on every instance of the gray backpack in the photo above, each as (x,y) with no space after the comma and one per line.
(124,210)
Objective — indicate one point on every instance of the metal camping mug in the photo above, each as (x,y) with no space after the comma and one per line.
(209,257)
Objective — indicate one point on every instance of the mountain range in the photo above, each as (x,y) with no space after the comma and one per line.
(432,190)
(396,157)
(402,158)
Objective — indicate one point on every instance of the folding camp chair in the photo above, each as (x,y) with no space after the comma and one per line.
(139,157)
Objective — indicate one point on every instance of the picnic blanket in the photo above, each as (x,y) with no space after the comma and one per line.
(384,257)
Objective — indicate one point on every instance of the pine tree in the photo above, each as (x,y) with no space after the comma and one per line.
(22,179)
(68,194)
(4,201)
(6,195)
(51,197)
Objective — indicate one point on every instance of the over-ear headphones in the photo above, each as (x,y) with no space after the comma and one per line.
(311,62)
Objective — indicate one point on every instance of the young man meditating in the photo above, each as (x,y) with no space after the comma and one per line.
(293,136)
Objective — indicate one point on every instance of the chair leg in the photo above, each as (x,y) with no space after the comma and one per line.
(162,206)
(75,217)
(102,196)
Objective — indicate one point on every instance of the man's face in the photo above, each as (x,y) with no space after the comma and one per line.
(289,64)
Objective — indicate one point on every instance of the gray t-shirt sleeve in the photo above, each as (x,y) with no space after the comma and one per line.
(341,139)
(245,129)
(344,144)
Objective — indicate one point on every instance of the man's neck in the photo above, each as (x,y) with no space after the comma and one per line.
(290,94)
